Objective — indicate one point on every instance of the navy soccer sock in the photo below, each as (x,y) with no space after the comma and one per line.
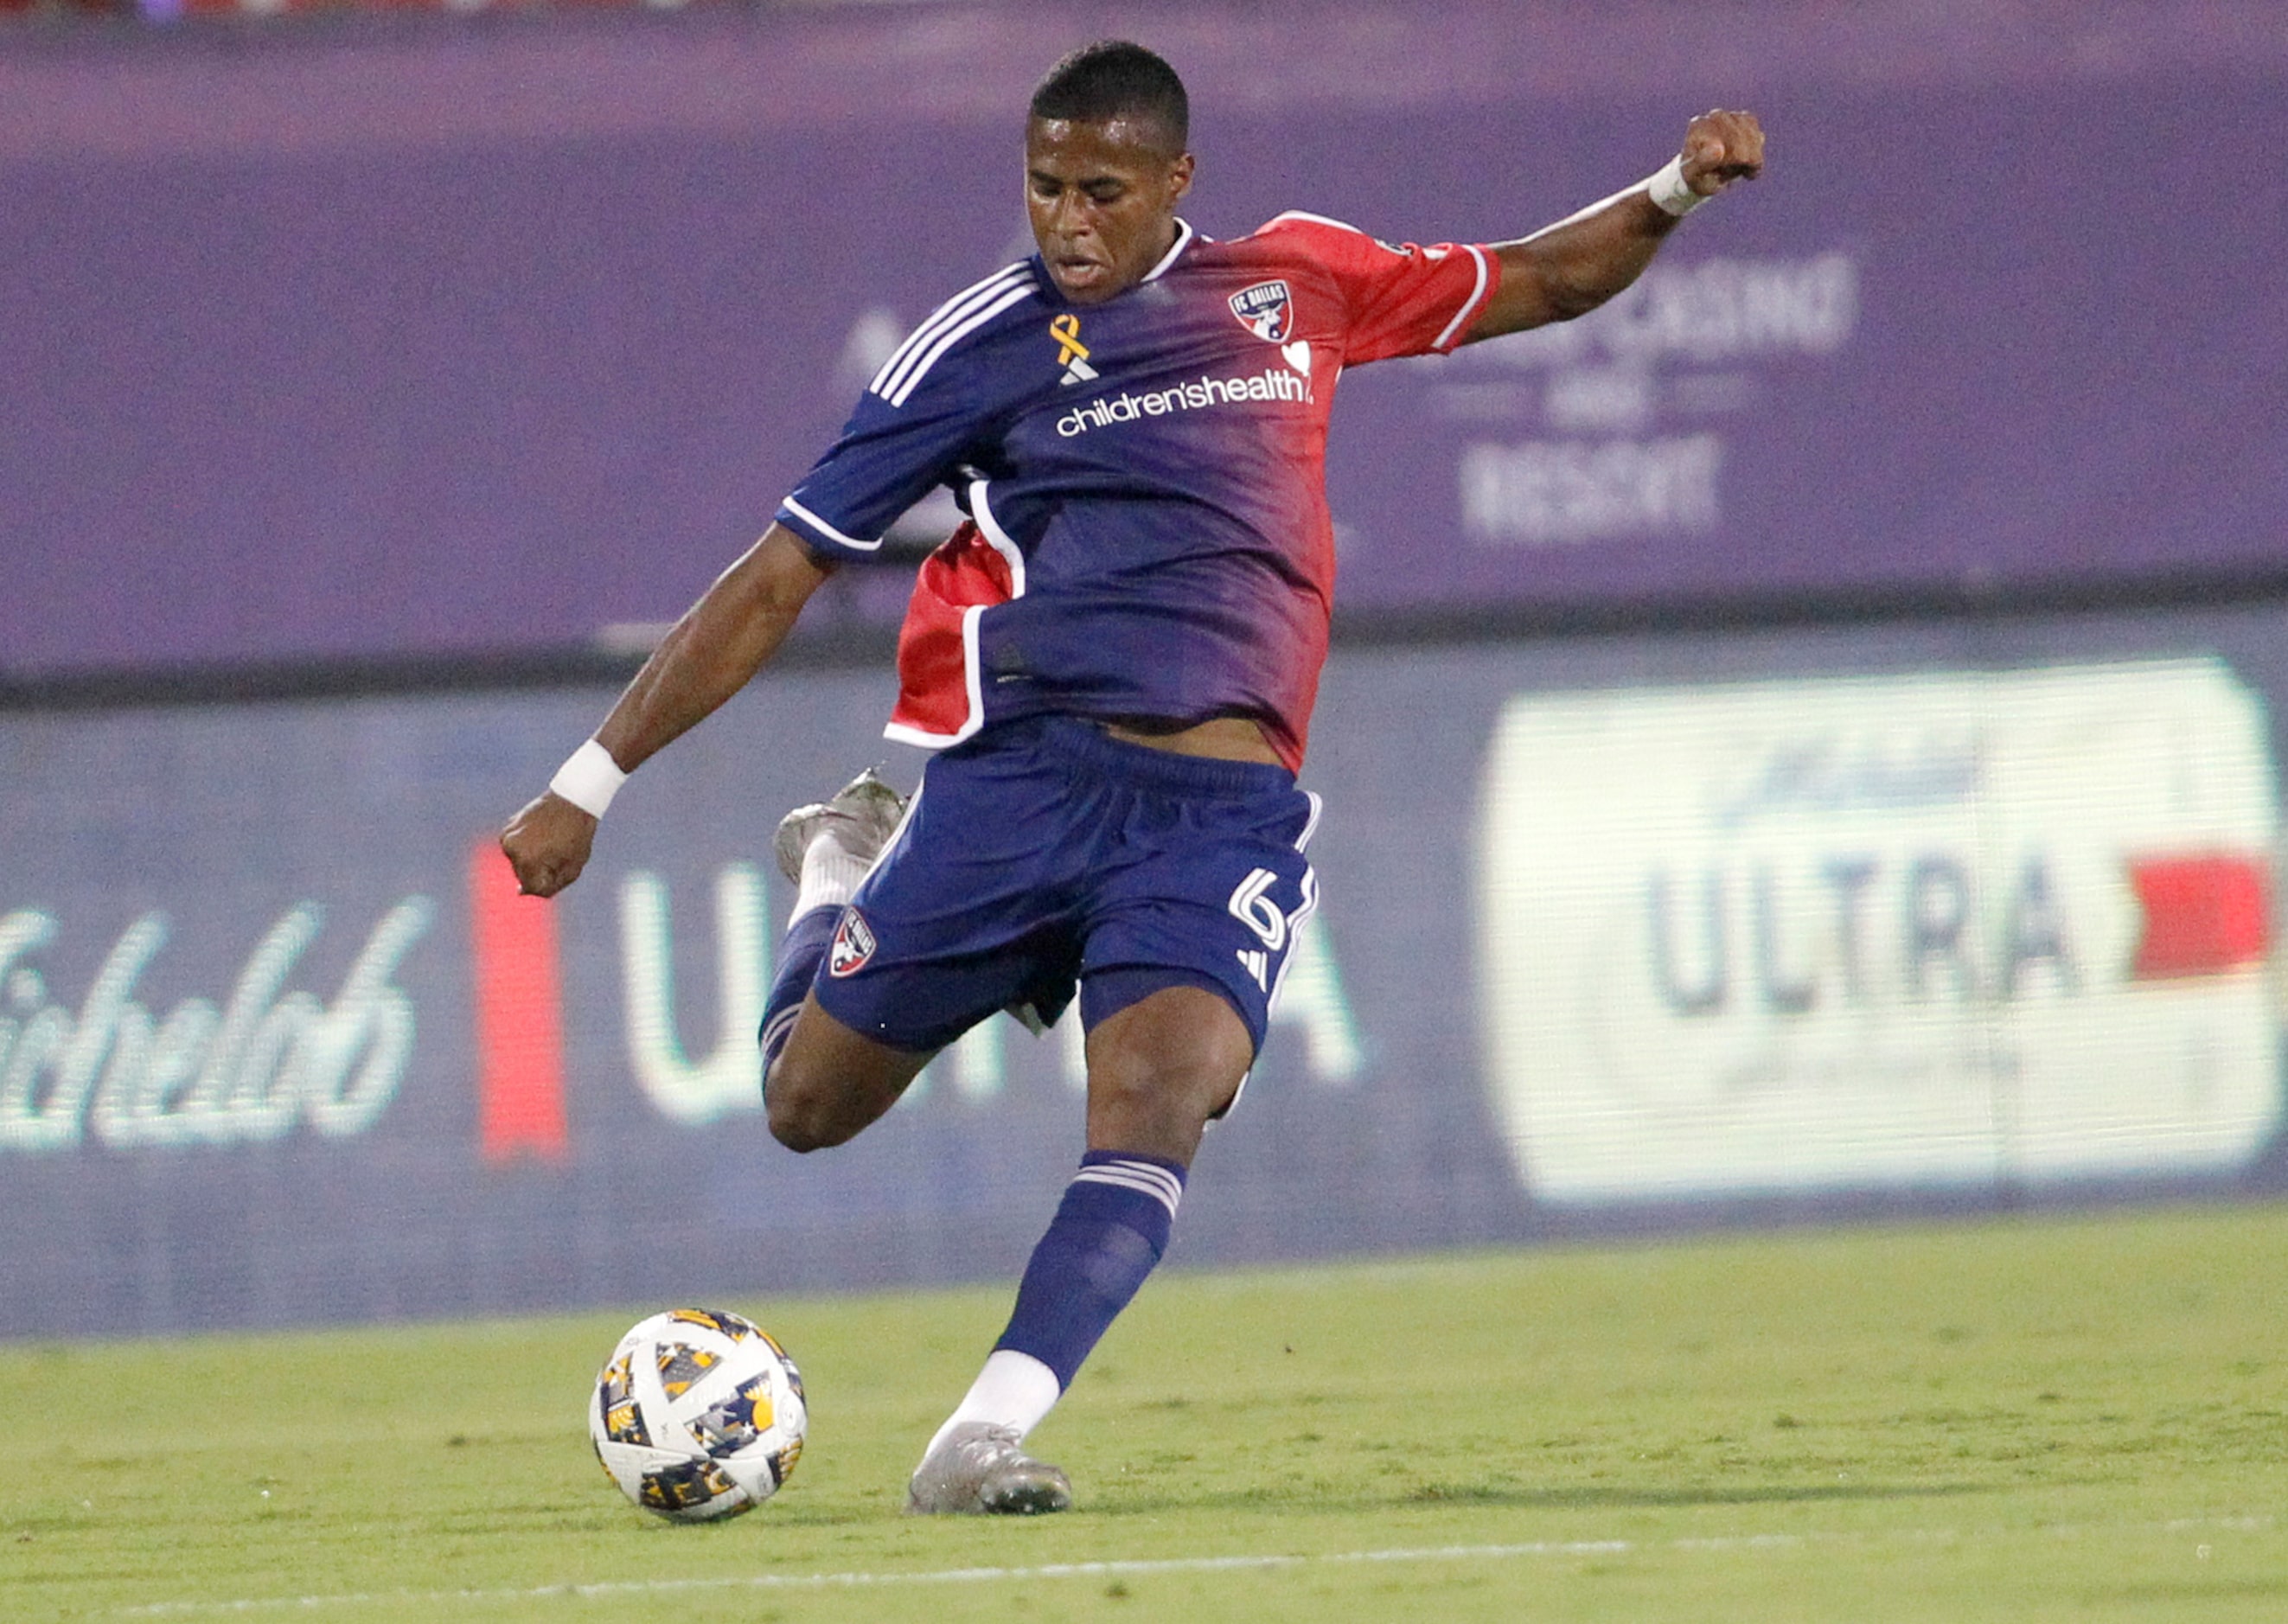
(806,942)
(1110,1229)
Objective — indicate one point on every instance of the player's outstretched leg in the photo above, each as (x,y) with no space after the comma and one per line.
(827,848)
(1158,1070)
(1111,1230)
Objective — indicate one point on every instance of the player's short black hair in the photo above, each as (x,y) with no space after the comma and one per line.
(1116,79)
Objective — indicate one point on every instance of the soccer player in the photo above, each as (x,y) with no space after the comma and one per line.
(1117,655)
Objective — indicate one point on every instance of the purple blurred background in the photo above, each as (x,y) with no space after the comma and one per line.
(420,337)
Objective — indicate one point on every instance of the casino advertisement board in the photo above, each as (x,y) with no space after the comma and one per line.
(1614,935)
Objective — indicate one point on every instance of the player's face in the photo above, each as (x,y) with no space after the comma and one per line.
(1102,197)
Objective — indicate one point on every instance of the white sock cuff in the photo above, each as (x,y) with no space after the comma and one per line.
(1014,1391)
(830,876)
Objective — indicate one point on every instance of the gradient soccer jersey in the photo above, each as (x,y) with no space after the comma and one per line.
(1145,477)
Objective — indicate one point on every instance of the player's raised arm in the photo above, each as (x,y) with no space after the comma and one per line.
(1571,267)
(710,655)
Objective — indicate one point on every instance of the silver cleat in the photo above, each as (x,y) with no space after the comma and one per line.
(863,814)
(979,1470)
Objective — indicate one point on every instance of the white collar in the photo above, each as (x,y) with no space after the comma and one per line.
(1183,236)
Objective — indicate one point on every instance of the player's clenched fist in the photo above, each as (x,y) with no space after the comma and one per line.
(1720,148)
(547,844)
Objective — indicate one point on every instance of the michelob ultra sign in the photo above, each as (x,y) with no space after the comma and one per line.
(1968,930)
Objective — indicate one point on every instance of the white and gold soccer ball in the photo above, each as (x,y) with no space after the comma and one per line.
(698,1414)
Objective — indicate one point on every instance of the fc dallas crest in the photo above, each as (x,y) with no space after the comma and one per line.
(853,944)
(1267,310)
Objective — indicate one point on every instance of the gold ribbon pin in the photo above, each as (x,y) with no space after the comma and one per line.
(1066,330)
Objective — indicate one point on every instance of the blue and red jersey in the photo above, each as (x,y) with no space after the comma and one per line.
(1145,478)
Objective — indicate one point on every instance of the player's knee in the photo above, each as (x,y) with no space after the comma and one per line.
(802,1115)
(1161,1109)
(818,1097)
(1161,1069)
(803,1130)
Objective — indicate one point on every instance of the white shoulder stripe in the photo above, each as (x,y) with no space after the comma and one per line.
(898,391)
(953,310)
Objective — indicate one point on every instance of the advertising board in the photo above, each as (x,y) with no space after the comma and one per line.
(1615,934)
(1996,928)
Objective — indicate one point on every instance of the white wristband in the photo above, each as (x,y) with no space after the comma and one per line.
(589,779)
(1669,192)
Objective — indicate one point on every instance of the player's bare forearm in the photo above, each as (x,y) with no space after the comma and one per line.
(710,655)
(1571,267)
(715,649)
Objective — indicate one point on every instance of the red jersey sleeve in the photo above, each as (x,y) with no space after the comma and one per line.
(1404,300)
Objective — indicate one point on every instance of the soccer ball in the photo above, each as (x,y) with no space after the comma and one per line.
(698,1414)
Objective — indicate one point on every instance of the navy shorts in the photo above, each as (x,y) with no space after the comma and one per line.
(1044,855)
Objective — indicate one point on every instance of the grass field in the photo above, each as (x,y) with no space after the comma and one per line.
(2042,1419)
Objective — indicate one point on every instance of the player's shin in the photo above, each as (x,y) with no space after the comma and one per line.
(1110,1229)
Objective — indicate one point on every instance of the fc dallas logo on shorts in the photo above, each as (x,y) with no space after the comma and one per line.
(1266,310)
(853,944)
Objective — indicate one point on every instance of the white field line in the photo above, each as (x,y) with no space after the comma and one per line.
(1111,1569)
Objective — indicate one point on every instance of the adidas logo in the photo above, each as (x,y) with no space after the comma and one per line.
(1070,351)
